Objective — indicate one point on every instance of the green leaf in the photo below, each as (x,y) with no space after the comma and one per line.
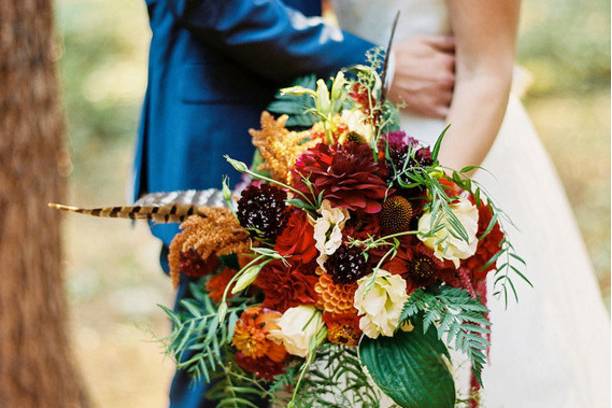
(296,106)
(412,368)
(436,148)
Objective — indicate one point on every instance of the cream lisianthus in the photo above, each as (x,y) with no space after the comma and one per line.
(357,123)
(328,230)
(296,328)
(380,303)
(447,246)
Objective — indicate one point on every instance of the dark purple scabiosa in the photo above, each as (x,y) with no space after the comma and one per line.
(262,210)
(347,265)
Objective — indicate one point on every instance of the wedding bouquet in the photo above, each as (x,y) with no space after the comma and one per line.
(344,268)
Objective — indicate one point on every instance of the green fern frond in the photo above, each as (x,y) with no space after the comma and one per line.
(198,338)
(459,319)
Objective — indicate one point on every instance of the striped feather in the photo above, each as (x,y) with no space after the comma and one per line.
(199,198)
(163,208)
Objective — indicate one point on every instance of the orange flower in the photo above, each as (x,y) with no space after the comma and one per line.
(216,284)
(216,232)
(263,367)
(334,297)
(252,334)
(342,329)
(278,146)
(284,287)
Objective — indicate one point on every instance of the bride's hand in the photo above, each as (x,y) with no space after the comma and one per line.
(423,76)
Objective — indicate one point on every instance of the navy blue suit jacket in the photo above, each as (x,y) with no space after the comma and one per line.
(213,67)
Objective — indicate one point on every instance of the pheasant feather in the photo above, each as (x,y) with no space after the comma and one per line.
(172,207)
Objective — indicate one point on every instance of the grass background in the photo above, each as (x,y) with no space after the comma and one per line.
(114,281)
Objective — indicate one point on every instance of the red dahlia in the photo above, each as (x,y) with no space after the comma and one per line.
(284,287)
(347,174)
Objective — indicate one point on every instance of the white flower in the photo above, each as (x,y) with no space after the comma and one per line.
(380,300)
(446,245)
(328,230)
(297,326)
(357,123)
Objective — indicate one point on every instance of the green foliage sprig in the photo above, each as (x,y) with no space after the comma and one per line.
(459,319)
(508,263)
(199,337)
(336,380)
(234,388)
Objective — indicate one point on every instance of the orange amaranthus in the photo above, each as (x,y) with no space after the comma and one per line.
(216,233)
(278,146)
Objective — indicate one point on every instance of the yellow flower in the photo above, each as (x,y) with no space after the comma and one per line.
(445,244)
(328,230)
(296,328)
(379,300)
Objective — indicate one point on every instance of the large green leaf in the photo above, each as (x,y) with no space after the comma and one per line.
(296,107)
(411,368)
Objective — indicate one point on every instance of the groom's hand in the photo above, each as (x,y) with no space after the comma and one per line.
(424,75)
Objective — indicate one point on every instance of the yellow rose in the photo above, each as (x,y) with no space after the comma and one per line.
(380,302)
(446,245)
(297,326)
(328,230)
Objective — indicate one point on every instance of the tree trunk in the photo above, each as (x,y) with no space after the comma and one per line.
(36,364)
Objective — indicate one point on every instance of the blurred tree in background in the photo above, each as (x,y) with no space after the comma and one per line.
(36,361)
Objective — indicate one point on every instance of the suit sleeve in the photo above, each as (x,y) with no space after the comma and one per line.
(270,38)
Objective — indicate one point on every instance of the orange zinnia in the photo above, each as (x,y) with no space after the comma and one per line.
(342,329)
(252,334)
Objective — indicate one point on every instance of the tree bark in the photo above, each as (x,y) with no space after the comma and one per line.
(36,364)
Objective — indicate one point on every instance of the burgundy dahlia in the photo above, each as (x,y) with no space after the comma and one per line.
(347,174)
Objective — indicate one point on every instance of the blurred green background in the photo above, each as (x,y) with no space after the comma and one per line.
(113,276)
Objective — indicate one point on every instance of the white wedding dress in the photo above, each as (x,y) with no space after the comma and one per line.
(551,349)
